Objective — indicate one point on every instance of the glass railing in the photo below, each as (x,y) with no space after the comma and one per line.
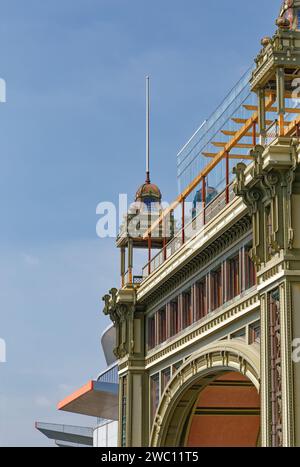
(110,375)
(190,160)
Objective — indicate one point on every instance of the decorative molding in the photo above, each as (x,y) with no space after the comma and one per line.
(196,373)
(266,189)
(275,367)
(210,325)
(188,269)
(121,314)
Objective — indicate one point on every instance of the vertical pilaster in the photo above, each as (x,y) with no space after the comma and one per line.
(265,376)
(240,270)
(280,88)
(261,95)
(195,302)
(123,260)
(130,261)
(209,292)
(156,326)
(168,319)
(288,407)
(180,311)
(243,269)
(225,281)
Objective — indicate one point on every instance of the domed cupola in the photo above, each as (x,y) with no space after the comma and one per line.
(149,194)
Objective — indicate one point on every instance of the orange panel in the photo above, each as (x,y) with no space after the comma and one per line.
(224,431)
(228,396)
(80,392)
(232,376)
(226,414)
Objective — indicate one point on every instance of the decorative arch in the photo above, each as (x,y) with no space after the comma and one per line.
(196,373)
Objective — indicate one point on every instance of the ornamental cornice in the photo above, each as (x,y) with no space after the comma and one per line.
(196,262)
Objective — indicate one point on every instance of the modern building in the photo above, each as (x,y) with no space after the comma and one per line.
(206,333)
(97,399)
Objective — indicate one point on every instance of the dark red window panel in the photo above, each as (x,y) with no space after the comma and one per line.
(234,278)
(201,300)
(162,326)
(216,289)
(187,312)
(174,318)
(151,333)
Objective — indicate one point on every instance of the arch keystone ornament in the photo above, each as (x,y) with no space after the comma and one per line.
(183,390)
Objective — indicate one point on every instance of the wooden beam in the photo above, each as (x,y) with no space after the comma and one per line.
(239,120)
(288,110)
(244,120)
(292,126)
(230,145)
(231,156)
(287,94)
(233,133)
(238,145)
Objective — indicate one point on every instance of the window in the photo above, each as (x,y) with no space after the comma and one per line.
(240,334)
(151,333)
(250,272)
(154,385)
(187,312)
(165,378)
(174,318)
(176,366)
(162,325)
(234,277)
(254,333)
(201,302)
(124,407)
(216,289)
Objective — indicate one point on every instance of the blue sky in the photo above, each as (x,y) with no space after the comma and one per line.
(72,135)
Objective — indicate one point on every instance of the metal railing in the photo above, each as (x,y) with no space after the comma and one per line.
(134,280)
(110,375)
(272,133)
(137,280)
(191,229)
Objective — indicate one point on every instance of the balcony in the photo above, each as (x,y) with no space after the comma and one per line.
(190,230)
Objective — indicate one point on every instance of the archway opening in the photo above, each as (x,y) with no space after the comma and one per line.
(227,414)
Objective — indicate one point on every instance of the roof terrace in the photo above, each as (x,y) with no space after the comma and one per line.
(205,164)
(261,107)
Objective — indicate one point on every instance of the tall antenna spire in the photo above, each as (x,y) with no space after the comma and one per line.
(147,129)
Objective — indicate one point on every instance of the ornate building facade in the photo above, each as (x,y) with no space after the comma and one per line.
(206,335)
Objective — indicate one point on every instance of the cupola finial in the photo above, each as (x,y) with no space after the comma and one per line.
(147,129)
